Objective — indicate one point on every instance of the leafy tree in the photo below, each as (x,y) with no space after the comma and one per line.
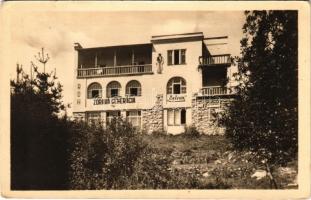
(263,118)
(38,136)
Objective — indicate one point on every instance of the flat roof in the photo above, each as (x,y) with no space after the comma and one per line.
(117,46)
(175,37)
(161,38)
(179,34)
(216,38)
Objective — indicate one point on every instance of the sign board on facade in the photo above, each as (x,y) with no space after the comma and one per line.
(176,98)
(116,100)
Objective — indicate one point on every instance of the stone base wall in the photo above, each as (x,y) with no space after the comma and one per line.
(152,119)
(203,111)
(203,115)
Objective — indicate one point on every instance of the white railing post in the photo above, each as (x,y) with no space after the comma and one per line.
(214,90)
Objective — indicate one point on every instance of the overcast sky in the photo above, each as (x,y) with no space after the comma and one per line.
(57,31)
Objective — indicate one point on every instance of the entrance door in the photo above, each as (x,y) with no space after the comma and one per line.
(176,120)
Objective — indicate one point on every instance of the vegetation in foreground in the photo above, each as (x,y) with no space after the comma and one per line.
(161,161)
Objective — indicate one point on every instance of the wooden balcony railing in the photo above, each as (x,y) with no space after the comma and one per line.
(214,91)
(114,71)
(223,59)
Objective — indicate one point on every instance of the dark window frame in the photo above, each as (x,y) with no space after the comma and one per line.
(176,57)
(114,92)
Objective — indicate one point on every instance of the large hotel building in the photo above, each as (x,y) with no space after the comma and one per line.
(167,84)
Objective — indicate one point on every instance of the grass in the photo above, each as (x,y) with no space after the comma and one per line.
(182,143)
(212,161)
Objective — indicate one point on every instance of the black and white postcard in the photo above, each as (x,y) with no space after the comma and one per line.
(155,99)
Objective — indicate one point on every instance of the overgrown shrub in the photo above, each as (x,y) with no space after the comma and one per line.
(104,158)
(152,171)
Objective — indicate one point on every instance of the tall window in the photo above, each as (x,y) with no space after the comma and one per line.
(176,57)
(94,91)
(176,117)
(134,117)
(176,85)
(113,89)
(133,88)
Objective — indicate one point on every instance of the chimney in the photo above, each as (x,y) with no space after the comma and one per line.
(77,46)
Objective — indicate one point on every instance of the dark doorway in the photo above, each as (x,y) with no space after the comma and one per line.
(183,116)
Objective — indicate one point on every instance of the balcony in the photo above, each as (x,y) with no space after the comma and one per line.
(215,60)
(115,71)
(215,91)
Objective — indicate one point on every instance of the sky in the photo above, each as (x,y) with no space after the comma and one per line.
(57,32)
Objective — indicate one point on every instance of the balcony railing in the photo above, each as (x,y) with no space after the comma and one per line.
(115,71)
(223,59)
(214,91)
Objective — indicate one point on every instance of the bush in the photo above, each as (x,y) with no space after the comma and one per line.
(104,158)
(191,132)
(152,171)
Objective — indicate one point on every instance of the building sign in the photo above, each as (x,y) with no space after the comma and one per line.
(115,100)
(176,98)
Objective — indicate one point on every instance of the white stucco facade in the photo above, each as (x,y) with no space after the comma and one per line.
(181,54)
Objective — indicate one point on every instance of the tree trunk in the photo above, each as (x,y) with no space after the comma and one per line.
(270,175)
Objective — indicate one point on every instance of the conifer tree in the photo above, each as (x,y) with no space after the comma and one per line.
(38,137)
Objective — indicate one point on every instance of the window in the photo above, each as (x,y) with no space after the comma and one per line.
(183,56)
(93,117)
(176,85)
(134,92)
(112,114)
(113,89)
(133,88)
(78,94)
(176,57)
(114,92)
(79,86)
(94,91)
(78,101)
(176,88)
(169,57)
(176,117)
(134,117)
